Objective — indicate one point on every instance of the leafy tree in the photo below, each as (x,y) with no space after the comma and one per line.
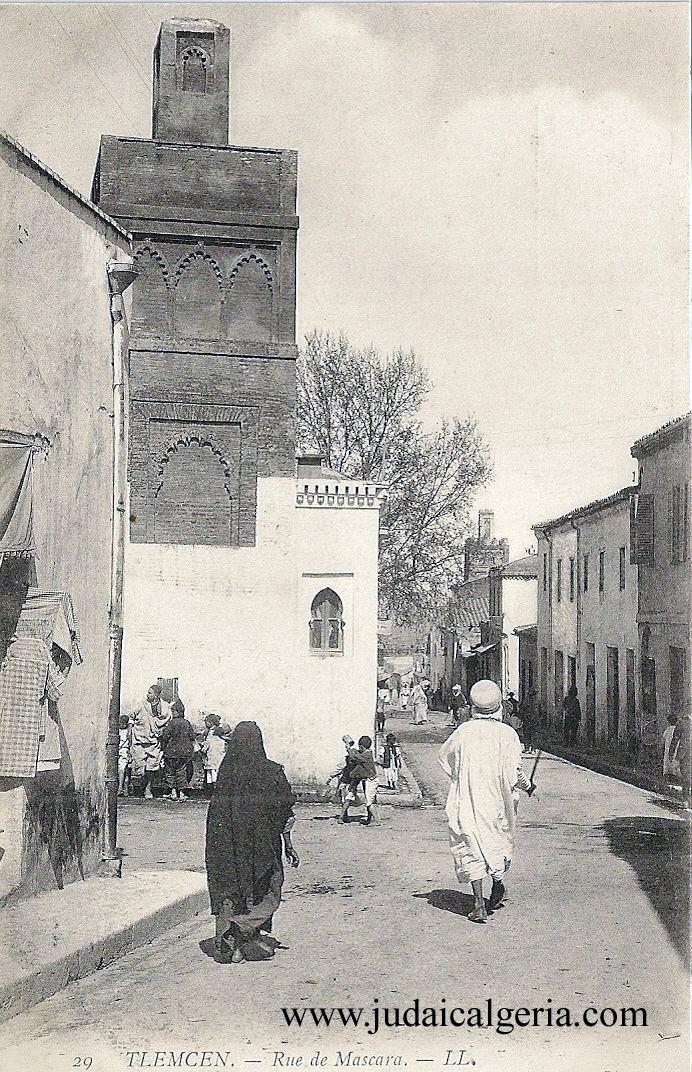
(361,411)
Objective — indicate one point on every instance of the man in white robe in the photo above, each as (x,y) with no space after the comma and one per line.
(483,759)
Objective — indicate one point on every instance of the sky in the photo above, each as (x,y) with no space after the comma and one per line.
(501,187)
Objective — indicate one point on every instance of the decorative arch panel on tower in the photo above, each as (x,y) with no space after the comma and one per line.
(193,474)
(198,297)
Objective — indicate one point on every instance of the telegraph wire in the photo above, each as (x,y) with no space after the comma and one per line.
(102,10)
(67,33)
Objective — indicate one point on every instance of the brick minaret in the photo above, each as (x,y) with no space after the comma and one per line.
(212,352)
(484,552)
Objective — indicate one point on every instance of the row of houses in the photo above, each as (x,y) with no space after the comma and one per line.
(613,608)
(602,604)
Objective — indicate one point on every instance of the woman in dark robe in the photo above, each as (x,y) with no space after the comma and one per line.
(248,830)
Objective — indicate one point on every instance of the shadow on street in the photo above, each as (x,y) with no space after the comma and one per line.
(658,850)
(460,904)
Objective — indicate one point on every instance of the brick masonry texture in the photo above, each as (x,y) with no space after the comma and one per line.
(193,473)
(212,352)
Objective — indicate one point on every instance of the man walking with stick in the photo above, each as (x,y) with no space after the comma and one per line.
(483,759)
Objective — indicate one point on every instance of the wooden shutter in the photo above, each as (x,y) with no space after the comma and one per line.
(644,531)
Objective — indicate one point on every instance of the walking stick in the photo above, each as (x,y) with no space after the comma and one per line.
(532,784)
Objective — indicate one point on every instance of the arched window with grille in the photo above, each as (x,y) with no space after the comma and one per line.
(327,624)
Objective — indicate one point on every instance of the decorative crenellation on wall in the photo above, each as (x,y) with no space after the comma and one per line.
(340,495)
(198,291)
(193,473)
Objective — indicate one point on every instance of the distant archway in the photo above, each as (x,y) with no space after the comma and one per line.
(194,69)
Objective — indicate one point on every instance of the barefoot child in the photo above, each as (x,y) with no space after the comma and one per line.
(177,742)
(124,757)
(391,761)
(362,781)
(213,749)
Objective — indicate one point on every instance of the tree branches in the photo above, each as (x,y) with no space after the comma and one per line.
(361,412)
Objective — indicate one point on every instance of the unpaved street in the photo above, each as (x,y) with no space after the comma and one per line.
(596,918)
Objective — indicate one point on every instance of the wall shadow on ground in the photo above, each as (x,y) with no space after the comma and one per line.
(657,848)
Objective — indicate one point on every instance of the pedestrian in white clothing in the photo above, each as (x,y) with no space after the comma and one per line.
(483,759)
(213,749)
(419,699)
(671,764)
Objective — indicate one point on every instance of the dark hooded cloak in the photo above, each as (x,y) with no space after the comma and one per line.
(249,809)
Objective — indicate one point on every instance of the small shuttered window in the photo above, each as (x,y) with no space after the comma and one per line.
(642,525)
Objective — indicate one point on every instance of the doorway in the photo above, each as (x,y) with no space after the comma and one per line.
(613,693)
(559,682)
(591,692)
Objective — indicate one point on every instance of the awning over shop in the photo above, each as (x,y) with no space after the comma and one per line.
(16,507)
(50,616)
(481,650)
(398,664)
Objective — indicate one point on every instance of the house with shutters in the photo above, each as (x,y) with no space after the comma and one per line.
(251,575)
(587,621)
(661,551)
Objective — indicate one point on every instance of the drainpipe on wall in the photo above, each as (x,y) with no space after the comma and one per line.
(120,275)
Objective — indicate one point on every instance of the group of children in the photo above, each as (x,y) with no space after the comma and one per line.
(357,781)
(176,755)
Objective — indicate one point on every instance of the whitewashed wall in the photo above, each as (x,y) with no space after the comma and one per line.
(232,625)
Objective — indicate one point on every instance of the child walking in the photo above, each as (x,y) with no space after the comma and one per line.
(362,781)
(124,756)
(178,744)
(213,749)
(391,761)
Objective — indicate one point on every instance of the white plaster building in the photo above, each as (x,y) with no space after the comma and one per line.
(62,350)
(512,604)
(587,619)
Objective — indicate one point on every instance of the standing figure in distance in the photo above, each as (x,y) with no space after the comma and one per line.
(147,727)
(178,744)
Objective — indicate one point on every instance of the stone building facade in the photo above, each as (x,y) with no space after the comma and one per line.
(220,540)
(62,350)
(661,550)
(528,663)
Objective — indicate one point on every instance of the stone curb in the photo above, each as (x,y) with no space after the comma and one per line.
(642,779)
(25,985)
(412,799)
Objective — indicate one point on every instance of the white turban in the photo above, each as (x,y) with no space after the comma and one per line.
(486,700)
